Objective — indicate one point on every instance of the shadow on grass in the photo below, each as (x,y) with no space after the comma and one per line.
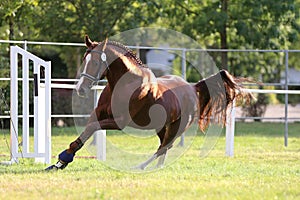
(26,166)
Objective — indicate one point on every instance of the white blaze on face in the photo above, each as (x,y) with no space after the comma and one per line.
(80,82)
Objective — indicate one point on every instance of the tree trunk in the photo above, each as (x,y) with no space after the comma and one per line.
(11,27)
(223,35)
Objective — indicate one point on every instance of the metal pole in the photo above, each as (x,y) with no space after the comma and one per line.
(25,102)
(183,75)
(48,141)
(25,45)
(14,104)
(100,135)
(286,99)
(230,126)
(183,64)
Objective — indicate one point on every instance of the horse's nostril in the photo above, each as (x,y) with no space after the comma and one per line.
(82,92)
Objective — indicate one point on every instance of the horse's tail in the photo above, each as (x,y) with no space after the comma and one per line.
(216,94)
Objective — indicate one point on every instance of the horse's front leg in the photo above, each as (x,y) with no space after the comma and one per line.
(93,125)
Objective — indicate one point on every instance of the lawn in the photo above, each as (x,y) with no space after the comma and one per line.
(262,168)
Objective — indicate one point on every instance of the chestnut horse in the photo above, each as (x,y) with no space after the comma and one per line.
(134,97)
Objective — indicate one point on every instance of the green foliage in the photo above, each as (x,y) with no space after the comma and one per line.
(18,17)
(265,24)
(292,99)
(256,24)
(75,18)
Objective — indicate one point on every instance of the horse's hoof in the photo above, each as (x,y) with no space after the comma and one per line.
(58,165)
(51,168)
(138,167)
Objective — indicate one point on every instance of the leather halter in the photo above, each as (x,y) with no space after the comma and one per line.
(103,60)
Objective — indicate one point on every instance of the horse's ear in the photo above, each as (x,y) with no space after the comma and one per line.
(88,41)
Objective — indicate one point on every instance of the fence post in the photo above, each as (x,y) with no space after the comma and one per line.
(230,126)
(25,103)
(42,113)
(183,74)
(14,104)
(286,99)
(47,122)
(100,135)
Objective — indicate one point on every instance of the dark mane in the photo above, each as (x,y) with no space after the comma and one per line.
(128,52)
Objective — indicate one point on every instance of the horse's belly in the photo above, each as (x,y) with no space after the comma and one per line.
(154,118)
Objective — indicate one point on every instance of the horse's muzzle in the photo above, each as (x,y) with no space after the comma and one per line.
(82,91)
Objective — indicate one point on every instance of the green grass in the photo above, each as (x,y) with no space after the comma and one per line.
(262,168)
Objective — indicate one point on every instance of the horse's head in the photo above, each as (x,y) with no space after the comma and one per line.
(95,66)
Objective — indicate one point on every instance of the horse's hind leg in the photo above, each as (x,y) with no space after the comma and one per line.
(161,154)
(161,160)
(142,166)
(173,131)
(167,137)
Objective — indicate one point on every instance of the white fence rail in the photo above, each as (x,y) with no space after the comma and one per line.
(183,68)
(230,124)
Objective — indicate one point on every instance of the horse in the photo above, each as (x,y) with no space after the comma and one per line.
(134,97)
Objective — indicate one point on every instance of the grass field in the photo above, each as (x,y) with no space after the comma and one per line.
(262,168)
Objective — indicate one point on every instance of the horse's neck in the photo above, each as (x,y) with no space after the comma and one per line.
(131,79)
(120,75)
(125,70)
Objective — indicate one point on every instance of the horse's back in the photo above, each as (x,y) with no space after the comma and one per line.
(172,79)
(179,90)
(173,82)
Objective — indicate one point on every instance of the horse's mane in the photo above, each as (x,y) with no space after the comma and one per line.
(128,52)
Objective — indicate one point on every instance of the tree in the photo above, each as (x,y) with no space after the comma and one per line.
(239,24)
(17,17)
(75,18)
(15,21)
(235,24)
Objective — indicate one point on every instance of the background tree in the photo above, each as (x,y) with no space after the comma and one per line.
(235,24)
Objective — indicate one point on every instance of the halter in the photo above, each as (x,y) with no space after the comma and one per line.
(103,60)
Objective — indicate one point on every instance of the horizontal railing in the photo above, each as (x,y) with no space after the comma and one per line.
(183,51)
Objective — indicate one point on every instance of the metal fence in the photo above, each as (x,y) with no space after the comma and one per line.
(183,53)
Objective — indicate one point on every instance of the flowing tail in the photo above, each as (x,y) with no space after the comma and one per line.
(216,95)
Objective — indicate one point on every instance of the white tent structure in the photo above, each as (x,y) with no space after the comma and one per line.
(160,61)
(293,76)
